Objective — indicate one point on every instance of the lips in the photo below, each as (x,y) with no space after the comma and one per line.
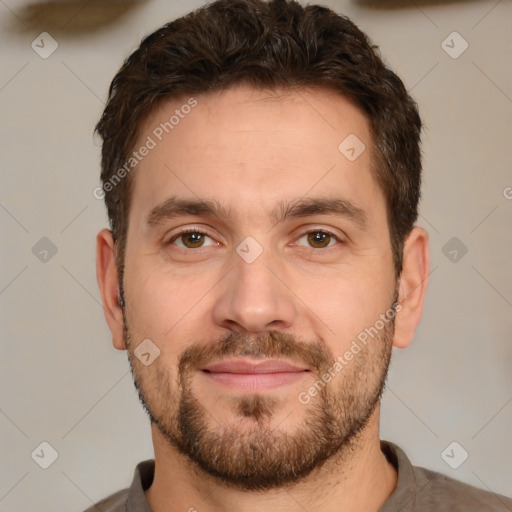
(253,376)
(245,366)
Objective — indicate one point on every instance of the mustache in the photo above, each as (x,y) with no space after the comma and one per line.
(272,344)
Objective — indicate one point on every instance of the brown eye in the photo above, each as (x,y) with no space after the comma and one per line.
(194,239)
(319,239)
(189,239)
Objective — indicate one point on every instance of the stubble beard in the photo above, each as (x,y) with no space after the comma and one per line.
(247,453)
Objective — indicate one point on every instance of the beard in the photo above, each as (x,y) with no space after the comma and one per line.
(247,453)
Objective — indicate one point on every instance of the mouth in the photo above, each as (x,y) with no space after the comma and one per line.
(253,375)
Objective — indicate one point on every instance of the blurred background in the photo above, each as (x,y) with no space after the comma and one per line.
(72,429)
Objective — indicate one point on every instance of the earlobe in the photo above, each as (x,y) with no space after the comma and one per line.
(108,283)
(412,286)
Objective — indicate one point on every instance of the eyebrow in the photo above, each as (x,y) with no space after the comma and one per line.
(295,208)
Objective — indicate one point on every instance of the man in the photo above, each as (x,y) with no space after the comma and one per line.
(261,170)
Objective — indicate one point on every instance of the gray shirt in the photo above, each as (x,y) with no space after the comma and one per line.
(417,490)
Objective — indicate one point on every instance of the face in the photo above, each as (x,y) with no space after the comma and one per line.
(258,255)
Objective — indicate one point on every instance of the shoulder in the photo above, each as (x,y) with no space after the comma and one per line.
(439,492)
(114,503)
(133,497)
(420,489)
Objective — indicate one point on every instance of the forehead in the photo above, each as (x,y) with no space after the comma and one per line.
(248,147)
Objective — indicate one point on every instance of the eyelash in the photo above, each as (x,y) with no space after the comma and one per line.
(205,232)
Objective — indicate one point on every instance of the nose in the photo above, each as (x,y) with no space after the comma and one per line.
(254,297)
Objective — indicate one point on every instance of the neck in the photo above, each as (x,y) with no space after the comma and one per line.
(360,479)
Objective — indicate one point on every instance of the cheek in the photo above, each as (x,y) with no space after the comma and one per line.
(343,309)
(346,303)
(165,308)
(149,301)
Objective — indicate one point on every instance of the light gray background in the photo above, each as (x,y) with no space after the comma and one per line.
(62,381)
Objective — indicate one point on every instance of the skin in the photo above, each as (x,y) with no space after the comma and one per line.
(249,150)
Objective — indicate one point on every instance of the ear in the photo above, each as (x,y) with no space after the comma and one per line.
(412,286)
(108,282)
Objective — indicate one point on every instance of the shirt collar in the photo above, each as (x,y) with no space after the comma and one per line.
(403,498)
(142,479)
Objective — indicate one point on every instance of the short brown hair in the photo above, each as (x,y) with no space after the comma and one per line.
(271,44)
